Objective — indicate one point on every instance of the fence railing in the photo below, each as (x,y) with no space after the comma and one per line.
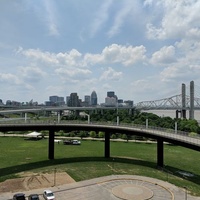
(159,131)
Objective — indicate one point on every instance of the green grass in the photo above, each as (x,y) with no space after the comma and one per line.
(87,160)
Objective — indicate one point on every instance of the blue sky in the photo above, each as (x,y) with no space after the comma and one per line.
(141,49)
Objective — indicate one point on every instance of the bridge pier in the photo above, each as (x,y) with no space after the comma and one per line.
(51,145)
(107,145)
(160,152)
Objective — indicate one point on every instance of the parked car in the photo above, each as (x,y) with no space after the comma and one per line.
(33,197)
(71,142)
(76,142)
(19,196)
(67,142)
(48,195)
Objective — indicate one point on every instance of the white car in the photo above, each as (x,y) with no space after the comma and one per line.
(76,142)
(48,195)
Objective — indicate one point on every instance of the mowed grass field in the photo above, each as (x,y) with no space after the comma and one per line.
(182,166)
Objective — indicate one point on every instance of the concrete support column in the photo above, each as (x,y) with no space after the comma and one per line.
(183,111)
(58,117)
(160,152)
(51,144)
(25,117)
(175,130)
(117,120)
(88,119)
(107,145)
(192,100)
(147,123)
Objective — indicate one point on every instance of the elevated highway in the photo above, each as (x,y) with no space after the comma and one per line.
(160,135)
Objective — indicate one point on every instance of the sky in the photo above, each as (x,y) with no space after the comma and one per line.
(141,49)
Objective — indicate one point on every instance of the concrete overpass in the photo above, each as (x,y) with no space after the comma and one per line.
(160,135)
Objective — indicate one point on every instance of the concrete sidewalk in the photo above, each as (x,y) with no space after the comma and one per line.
(114,187)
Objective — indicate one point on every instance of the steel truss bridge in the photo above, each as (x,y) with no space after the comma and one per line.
(171,103)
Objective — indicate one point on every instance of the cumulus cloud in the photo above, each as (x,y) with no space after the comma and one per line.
(180,71)
(33,74)
(73,74)
(126,55)
(111,74)
(122,54)
(10,79)
(165,55)
(71,58)
(179,18)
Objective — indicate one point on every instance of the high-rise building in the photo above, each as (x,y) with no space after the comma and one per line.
(87,100)
(73,100)
(55,100)
(111,94)
(110,101)
(94,98)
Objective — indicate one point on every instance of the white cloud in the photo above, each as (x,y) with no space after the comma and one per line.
(126,55)
(73,74)
(101,17)
(180,71)
(179,18)
(123,13)
(121,54)
(10,79)
(111,74)
(165,55)
(50,17)
(33,74)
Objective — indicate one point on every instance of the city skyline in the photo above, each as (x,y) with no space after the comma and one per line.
(142,50)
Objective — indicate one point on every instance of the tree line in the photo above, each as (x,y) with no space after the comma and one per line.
(139,118)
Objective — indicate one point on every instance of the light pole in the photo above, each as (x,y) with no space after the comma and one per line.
(88,116)
(185,193)
(147,123)
(55,177)
(175,127)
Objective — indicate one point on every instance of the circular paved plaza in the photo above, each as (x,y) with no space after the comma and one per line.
(115,187)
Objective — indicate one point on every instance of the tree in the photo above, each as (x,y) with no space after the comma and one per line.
(124,137)
(113,136)
(93,134)
(82,134)
(101,134)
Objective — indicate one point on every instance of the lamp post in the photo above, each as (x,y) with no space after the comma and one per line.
(175,127)
(55,177)
(147,123)
(185,193)
(88,116)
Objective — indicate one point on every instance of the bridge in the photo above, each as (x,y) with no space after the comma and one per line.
(159,135)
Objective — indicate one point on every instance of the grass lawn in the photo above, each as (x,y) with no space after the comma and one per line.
(86,161)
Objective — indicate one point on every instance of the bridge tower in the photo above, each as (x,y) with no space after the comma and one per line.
(183,111)
(191,114)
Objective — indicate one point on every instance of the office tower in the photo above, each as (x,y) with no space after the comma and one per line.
(111,94)
(94,98)
(74,100)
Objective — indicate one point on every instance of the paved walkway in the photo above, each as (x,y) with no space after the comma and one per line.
(115,187)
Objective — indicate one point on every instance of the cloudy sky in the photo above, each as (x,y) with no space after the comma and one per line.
(141,49)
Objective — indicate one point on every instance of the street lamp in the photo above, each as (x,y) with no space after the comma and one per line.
(55,177)
(185,193)
(85,114)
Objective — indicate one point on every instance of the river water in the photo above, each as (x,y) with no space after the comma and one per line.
(172,113)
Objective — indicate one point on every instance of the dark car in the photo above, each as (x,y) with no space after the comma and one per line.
(67,142)
(19,196)
(73,142)
(33,197)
